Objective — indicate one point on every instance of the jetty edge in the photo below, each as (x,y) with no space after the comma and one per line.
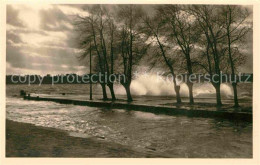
(156,109)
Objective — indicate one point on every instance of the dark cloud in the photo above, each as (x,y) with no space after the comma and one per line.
(14,56)
(48,60)
(13,37)
(53,20)
(247,50)
(12,17)
(72,39)
(18,57)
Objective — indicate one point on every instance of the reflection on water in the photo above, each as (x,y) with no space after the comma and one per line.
(172,136)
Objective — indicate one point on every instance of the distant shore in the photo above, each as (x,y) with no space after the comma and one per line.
(27,140)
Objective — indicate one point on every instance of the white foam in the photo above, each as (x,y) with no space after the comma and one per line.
(154,85)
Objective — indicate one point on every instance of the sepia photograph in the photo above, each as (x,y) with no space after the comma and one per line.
(129,81)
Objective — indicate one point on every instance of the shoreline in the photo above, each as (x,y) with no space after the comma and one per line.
(230,113)
(28,140)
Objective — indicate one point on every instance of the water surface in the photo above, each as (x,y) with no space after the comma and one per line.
(169,136)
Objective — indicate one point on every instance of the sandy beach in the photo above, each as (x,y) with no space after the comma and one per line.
(27,140)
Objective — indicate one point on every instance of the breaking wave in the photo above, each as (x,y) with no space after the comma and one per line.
(154,85)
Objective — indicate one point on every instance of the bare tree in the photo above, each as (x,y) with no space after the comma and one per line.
(153,27)
(184,32)
(103,26)
(207,17)
(235,26)
(98,27)
(132,44)
(224,28)
(88,34)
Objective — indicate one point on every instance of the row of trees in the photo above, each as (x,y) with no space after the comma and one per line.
(180,38)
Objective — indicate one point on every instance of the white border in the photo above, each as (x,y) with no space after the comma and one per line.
(150,161)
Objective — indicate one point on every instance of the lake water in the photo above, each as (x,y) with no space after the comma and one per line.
(169,136)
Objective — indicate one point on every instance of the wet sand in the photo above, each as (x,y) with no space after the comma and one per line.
(27,140)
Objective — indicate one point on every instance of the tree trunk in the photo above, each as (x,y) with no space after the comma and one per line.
(190,86)
(104,91)
(111,88)
(235,94)
(128,93)
(218,94)
(178,96)
(232,66)
(90,72)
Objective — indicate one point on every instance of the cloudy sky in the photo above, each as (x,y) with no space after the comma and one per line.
(40,40)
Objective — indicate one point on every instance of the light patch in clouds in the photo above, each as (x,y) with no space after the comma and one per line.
(33,22)
(52,38)
(72,10)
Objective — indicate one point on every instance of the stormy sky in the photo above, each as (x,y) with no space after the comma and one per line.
(40,40)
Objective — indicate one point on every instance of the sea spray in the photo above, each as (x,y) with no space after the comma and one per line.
(206,90)
(226,90)
(149,84)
